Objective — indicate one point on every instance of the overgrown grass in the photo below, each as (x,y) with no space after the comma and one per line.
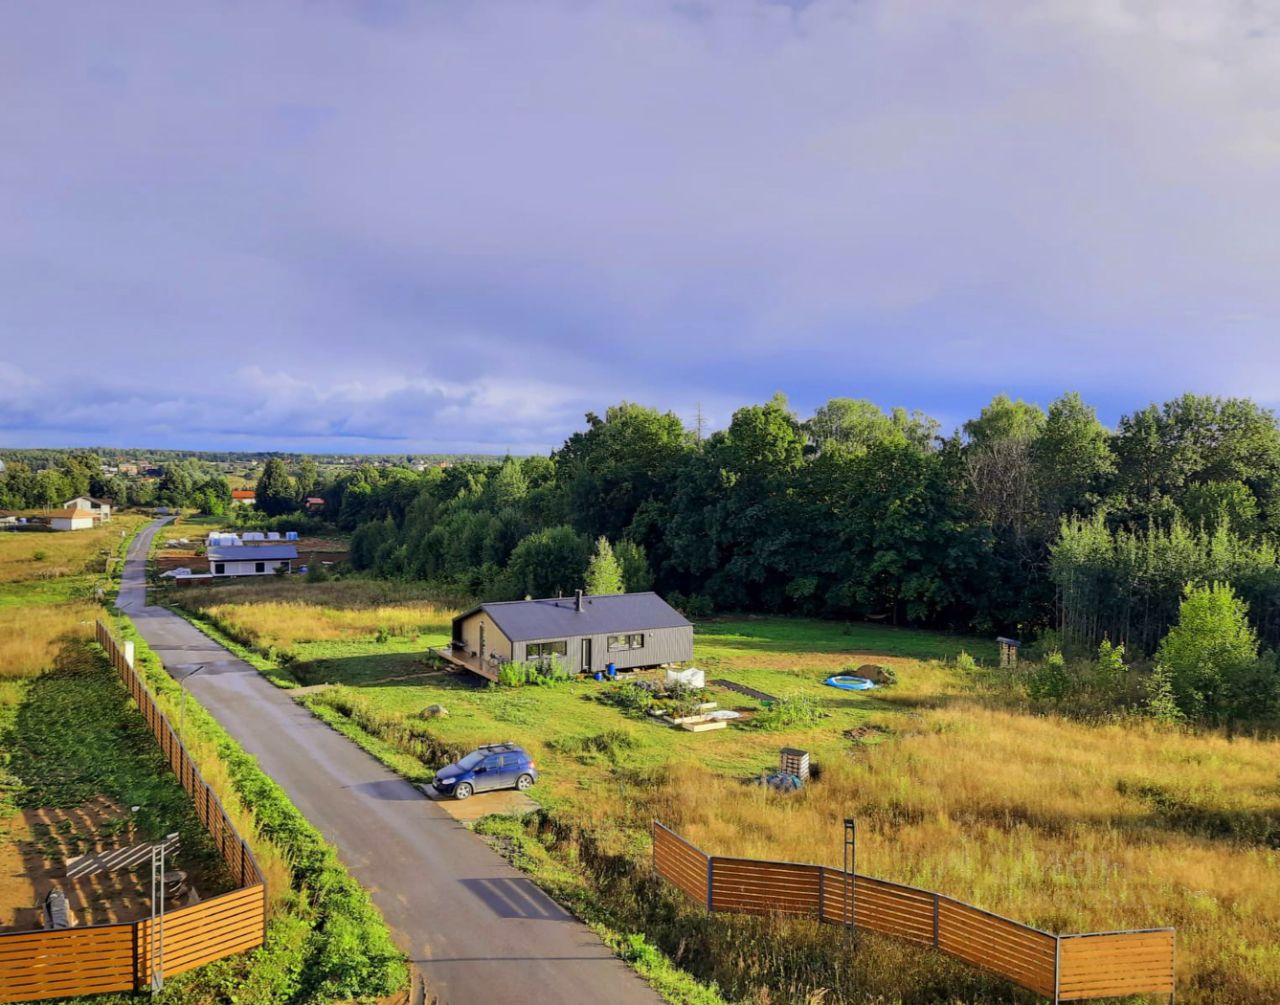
(48,602)
(695,958)
(1069,825)
(27,556)
(70,735)
(68,732)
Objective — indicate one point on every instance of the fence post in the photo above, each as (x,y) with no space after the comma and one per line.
(822,894)
(1057,969)
(710,883)
(935,921)
(850,871)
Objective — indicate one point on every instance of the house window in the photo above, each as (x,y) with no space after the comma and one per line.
(259,566)
(621,643)
(545,650)
(219,568)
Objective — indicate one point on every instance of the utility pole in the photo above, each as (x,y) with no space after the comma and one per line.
(157,913)
(700,423)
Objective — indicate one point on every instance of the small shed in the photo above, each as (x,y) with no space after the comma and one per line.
(1008,651)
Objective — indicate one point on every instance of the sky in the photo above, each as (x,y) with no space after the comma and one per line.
(424,226)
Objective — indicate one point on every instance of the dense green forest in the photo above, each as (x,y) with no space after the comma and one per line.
(1025,519)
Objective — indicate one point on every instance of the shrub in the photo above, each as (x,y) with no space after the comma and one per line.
(1050,680)
(612,743)
(790,712)
(631,698)
(538,673)
(965,663)
(697,606)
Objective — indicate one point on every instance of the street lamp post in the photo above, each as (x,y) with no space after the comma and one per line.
(182,704)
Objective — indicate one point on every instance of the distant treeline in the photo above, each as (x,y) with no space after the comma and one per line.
(43,457)
(1024,519)
(47,477)
(48,483)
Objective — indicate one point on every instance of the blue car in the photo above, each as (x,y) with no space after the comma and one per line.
(493,766)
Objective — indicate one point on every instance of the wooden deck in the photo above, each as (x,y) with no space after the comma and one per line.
(461,659)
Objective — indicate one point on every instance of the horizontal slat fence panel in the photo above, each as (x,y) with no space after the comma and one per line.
(75,961)
(880,906)
(1061,967)
(1116,963)
(35,965)
(680,863)
(205,931)
(1004,947)
(747,886)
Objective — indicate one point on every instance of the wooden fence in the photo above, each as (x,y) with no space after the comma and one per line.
(99,958)
(1060,967)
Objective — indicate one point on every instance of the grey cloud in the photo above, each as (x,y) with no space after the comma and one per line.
(476,221)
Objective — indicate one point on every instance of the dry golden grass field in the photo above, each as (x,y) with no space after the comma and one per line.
(1066,825)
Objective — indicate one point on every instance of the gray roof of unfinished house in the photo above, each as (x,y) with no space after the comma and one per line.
(262,553)
(523,620)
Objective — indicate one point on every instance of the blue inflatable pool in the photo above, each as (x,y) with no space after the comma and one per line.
(847,683)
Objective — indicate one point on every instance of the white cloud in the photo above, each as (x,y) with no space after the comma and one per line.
(478,221)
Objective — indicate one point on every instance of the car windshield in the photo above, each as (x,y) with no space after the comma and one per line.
(472,760)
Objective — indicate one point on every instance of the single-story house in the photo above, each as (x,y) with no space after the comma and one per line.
(70,519)
(252,560)
(99,507)
(243,497)
(8,518)
(629,630)
(314,502)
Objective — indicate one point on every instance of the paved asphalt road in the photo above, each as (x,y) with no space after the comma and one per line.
(477,928)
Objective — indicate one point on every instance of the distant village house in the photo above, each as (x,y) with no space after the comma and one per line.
(69,519)
(243,497)
(98,507)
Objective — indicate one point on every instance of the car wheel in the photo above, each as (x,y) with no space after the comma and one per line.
(524,782)
(463,790)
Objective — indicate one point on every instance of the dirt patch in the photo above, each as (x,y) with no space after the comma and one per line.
(508,802)
(742,689)
(34,848)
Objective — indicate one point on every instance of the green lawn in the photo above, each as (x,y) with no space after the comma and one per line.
(572,734)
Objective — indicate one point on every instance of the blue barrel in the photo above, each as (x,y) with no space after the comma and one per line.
(611,670)
(598,675)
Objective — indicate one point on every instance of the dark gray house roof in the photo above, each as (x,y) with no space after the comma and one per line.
(522,620)
(249,553)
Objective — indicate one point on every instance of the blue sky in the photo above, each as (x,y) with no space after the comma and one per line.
(423,226)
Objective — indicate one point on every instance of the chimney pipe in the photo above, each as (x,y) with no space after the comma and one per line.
(578,600)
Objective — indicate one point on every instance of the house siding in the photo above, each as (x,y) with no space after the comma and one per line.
(248,568)
(67,523)
(494,640)
(661,645)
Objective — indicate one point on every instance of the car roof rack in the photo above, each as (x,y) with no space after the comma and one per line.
(495,746)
